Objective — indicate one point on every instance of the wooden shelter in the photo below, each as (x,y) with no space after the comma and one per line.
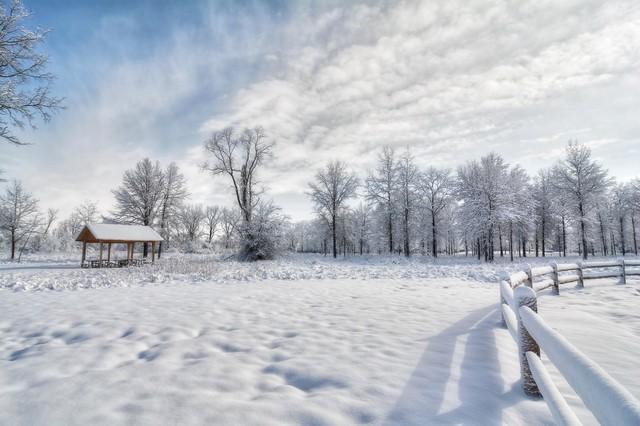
(105,233)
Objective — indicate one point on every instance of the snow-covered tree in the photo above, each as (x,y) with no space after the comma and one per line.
(174,192)
(333,186)
(212,218)
(582,181)
(19,216)
(407,183)
(191,218)
(436,188)
(381,188)
(139,198)
(482,188)
(634,201)
(621,206)
(265,234)
(362,224)
(543,198)
(239,158)
(229,220)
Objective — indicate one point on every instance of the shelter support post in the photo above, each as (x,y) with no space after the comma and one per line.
(84,252)
(101,246)
(109,252)
(153,251)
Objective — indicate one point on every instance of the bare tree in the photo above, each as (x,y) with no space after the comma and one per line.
(621,208)
(229,219)
(191,217)
(19,217)
(582,180)
(212,214)
(87,212)
(52,215)
(436,186)
(543,199)
(362,219)
(24,83)
(240,157)
(139,197)
(174,193)
(381,188)
(407,180)
(333,186)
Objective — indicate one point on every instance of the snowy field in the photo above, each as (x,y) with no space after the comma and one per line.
(302,340)
(61,272)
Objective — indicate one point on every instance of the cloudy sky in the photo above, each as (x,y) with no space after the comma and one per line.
(452,80)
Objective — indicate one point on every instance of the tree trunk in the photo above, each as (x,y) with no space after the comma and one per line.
(407,248)
(13,244)
(543,236)
(583,235)
(434,239)
(511,241)
(633,230)
(390,233)
(333,234)
(602,236)
(564,238)
(622,242)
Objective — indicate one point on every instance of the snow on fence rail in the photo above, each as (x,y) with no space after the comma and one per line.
(609,402)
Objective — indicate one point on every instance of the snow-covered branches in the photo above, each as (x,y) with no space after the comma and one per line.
(19,216)
(436,188)
(24,82)
(581,181)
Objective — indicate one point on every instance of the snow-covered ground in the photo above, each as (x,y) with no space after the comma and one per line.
(61,272)
(301,340)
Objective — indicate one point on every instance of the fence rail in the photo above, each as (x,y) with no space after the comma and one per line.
(609,401)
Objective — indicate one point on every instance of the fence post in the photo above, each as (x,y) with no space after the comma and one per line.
(526,296)
(556,278)
(529,281)
(580,276)
(623,276)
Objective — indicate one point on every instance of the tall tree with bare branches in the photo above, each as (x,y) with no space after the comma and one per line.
(240,157)
(174,193)
(436,187)
(212,217)
(381,188)
(407,180)
(333,186)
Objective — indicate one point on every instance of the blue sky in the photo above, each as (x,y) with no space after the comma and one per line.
(450,80)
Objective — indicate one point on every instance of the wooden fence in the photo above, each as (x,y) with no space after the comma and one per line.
(609,402)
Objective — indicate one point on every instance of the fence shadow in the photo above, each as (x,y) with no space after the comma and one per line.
(480,387)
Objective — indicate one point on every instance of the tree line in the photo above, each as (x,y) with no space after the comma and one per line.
(485,208)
